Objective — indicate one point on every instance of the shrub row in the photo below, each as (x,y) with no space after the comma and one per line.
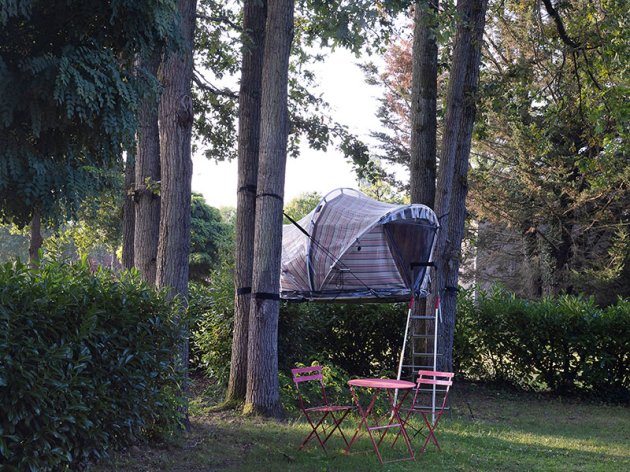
(86,363)
(362,339)
(564,344)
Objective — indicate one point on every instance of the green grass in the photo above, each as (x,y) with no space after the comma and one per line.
(487,430)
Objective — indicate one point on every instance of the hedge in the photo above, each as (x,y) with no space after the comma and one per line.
(86,364)
(565,344)
(364,339)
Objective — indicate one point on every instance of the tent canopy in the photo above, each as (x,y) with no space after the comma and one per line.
(358,249)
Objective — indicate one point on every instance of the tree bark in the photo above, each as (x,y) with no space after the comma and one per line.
(36,239)
(129,217)
(254,15)
(263,393)
(147,177)
(453,172)
(176,119)
(423,147)
(423,104)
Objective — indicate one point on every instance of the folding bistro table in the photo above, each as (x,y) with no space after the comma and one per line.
(379,386)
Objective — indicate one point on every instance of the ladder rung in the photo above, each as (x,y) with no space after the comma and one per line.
(419,317)
(418,367)
(422,336)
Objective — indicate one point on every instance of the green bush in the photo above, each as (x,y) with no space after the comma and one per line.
(211,314)
(335,381)
(363,339)
(562,344)
(86,363)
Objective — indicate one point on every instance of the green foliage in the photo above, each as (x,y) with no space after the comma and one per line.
(353,25)
(220,43)
(217,43)
(210,238)
(13,244)
(335,381)
(563,344)
(68,96)
(552,141)
(211,314)
(86,364)
(301,205)
(362,339)
(96,231)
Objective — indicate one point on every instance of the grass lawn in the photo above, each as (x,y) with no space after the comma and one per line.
(487,430)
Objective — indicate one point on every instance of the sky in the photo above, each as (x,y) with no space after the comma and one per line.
(353,103)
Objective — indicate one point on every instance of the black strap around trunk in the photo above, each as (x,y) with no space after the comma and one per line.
(273,195)
(248,188)
(265,296)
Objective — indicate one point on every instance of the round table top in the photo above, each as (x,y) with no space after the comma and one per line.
(381,383)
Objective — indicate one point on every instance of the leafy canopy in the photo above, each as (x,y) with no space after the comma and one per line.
(68,96)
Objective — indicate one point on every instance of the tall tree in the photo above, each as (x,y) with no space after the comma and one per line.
(254,17)
(262,392)
(552,171)
(176,118)
(424,104)
(423,118)
(452,183)
(147,177)
(68,97)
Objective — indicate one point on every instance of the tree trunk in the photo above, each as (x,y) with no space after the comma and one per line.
(147,174)
(176,119)
(423,104)
(423,131)
(263,393)
(129,217)
(254,15)
(453,172)
(36,239)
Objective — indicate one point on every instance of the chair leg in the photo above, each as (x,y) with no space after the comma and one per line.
(314,431)
(431,434)
(336,426)
(404,423)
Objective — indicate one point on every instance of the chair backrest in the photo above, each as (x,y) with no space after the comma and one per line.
(309,374)
(430,381)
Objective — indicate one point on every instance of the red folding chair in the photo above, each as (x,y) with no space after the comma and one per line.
(429,400)
(314,374)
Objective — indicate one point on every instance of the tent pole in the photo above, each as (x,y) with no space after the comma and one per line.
(402,353)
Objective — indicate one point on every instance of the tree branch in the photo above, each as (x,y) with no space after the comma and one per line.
(220,19)
(203,84)
(553,13)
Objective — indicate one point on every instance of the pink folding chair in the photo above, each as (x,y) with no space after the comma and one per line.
(429,400)
(314,374)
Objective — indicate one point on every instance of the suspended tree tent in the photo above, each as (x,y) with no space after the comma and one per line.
(354,248)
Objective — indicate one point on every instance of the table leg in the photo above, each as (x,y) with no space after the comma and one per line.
(364,414)
(403,431)
(394,415)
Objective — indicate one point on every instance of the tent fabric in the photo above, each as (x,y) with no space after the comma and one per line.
(358,249)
